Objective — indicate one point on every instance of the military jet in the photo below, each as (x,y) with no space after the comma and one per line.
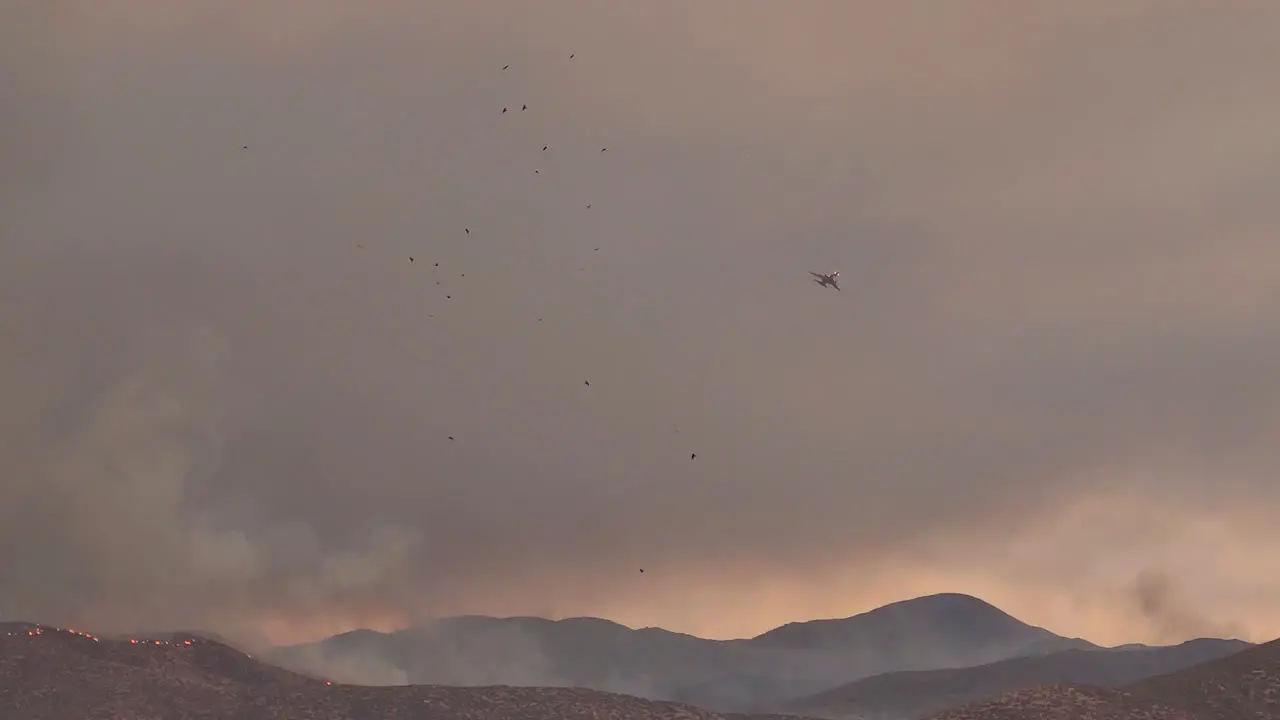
(828,280)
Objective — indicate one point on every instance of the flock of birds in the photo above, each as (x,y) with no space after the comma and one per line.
(822,279)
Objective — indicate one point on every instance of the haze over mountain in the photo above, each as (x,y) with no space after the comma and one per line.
(56,674)
(766,672)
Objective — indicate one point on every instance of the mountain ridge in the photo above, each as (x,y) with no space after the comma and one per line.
(874,613)
(795,659)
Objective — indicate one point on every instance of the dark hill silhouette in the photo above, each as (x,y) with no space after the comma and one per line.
(1241,686)
(911,695)
(937,631)
(52,674)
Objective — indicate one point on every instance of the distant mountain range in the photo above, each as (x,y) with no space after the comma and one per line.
(826,667)
(52,674)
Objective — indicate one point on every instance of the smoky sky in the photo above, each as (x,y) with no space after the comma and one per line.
(1051,373)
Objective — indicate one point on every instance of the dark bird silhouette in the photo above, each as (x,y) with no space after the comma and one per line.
(536,172)
(642,571)
(595,249)
(450,437)
(571,57)
(410,258)
(524,107)
(437,264)
(603,149)
(466,230)
(244,147)
(693,455)
(504,67)
(544,148)
(504,110)
(588,206)
(587,382)
(448,297)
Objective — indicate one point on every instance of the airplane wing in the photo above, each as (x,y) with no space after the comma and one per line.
(835,284)
(817,275)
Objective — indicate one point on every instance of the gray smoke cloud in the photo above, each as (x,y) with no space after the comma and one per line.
(1160,603)
(228,394)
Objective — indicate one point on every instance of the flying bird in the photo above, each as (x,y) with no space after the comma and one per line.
(827,280)
(693,456)
(466,230)
(524,107)
(504,67)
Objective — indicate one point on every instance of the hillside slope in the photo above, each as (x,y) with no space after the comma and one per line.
(1241,686)
(51,674)
(910,695)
